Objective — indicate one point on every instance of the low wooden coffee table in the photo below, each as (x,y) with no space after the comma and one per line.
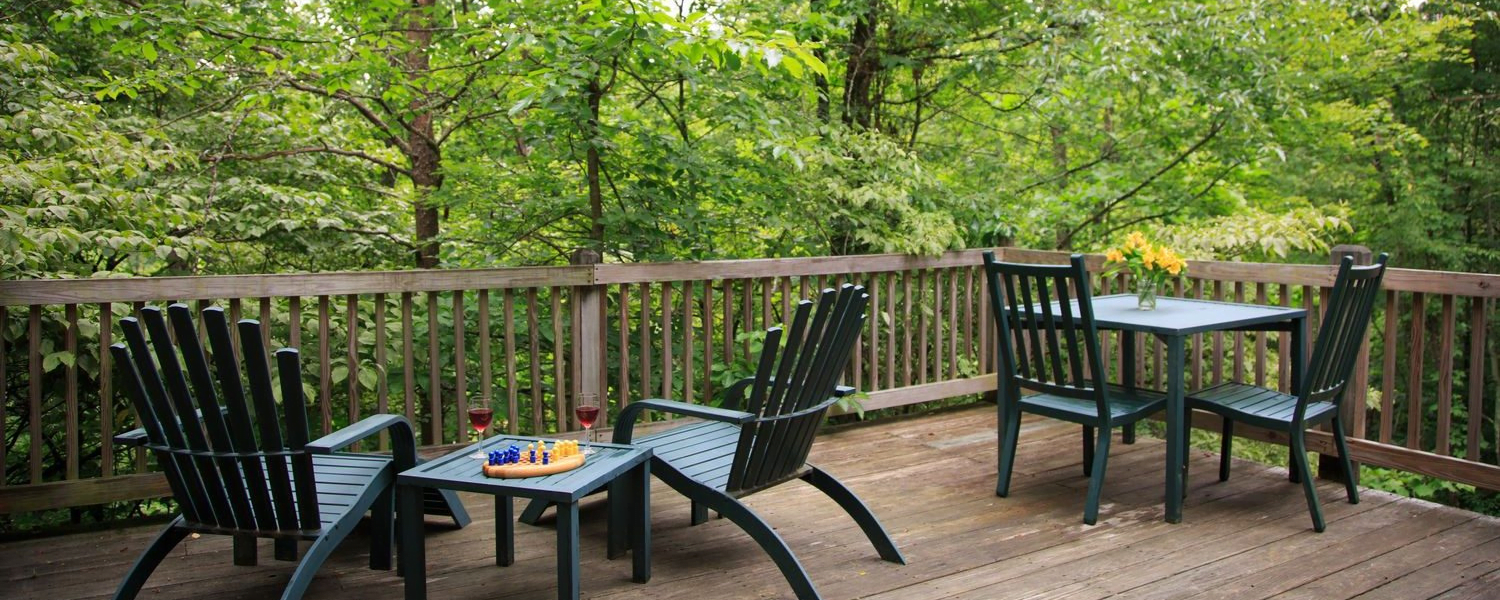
(625,469)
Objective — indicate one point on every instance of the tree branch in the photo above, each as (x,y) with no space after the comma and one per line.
(324,149)
(1098,215)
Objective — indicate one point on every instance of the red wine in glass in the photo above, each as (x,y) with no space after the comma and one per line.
(479,419)
(586,415)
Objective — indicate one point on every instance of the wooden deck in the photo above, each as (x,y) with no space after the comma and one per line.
(931,479)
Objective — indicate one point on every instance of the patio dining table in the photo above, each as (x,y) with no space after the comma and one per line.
(1172,322)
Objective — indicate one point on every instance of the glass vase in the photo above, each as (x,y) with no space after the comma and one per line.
(1145,293)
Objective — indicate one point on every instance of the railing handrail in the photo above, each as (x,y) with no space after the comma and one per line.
(144,289)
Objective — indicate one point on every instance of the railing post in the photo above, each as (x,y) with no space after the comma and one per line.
(1352,408)
(589,345)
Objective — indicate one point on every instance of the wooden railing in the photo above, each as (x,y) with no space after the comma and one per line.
(426,344)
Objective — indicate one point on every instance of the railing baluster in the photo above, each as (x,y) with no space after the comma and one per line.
(486,369)
(1195,373)
(921,328)
(106,392)
(460,366)
(1445,376)
(1218,336)
(34,391)
(727,286)
(533,333)
(1284,348)
(325,376)
(1389,345)
(872,334)
(1260,340)
(890,331)
(645,339)
(1239,338)
(937,324)
(687,341)
(351,359)
(1474,379)
(747,309)
(70,390)
(265,323)
(561,391)
(382,391)
(666,340)
(622,309)
(408,367)
(969,314)
(708,340)
(512,393)
(1414,376)
(434,375)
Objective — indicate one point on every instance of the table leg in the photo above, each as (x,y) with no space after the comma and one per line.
(412,548)
(620,495)
(567,551)
(505,531)
(1127,378)
(640,532)
(1176,424)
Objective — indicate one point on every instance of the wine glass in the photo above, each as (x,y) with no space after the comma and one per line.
(587,411)
(480,416)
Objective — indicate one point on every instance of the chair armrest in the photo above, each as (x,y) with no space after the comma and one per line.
(132,438)
(626,422)
(403,440)
(842,391)
(137,436)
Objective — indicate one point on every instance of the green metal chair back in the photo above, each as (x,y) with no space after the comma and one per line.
(1044,347)
(1345,320)
(794,387)
(228,468)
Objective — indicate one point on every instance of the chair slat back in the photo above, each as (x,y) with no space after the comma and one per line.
(794,386)
(1346,318)
(222,474)
(1047,347)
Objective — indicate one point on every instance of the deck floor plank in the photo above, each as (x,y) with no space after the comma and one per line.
(931,480)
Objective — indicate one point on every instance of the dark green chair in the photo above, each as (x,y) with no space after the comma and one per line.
(1048,345)
(252,473)
(1346,317)
(753,443)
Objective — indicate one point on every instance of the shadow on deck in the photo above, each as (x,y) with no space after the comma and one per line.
(931,480)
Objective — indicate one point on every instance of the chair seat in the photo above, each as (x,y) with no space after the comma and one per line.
(1125,406)
(702,451)
(1256,405)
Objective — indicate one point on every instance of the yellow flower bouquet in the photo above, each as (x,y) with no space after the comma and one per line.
(1149,265)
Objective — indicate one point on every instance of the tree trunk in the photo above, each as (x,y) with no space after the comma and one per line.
(596,195)
(864,65)
(423,151)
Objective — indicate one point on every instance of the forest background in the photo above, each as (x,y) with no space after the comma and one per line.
(166,138)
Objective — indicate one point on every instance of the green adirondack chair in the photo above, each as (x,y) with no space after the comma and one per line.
(252,473)
(1054,350)
(753,443)
(1346,317)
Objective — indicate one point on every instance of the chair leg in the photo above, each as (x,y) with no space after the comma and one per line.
(382,522)
(1096,480)
(700,514)
(1187,451)
(1088,450)
(1010,429)
(284,549)
(1127,434)
(763,535)
(856,509)
(149,560)
(1299,457)
(1351,486)
(245,551)
(1226,444)
(533,512)
(1292,465)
